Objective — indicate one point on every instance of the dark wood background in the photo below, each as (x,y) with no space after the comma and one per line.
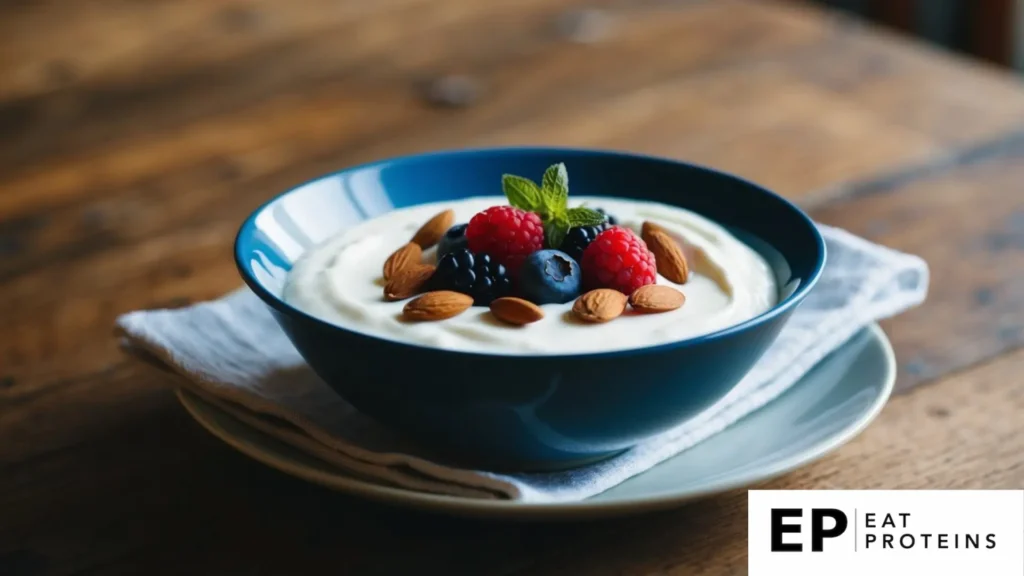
(983,29)
(137,135)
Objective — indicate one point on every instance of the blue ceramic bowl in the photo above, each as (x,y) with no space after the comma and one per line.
(507,412)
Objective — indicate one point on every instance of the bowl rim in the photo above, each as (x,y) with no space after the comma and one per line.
(780,308)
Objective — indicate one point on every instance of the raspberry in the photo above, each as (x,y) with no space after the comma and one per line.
(508,234)
(618,259)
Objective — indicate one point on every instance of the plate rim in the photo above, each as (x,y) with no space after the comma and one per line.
(512,509)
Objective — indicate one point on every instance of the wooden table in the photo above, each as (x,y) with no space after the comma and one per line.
(136,136)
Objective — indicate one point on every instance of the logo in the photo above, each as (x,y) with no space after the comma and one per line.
(818,530)
(886,532)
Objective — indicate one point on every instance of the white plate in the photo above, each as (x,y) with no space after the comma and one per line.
(824,410)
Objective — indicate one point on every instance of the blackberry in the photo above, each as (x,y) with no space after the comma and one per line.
(476,275)
(577,239)
(612,220)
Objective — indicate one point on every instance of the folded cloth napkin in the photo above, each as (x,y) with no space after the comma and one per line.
(232,353)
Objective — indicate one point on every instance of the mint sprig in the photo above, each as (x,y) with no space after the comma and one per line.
(550,201)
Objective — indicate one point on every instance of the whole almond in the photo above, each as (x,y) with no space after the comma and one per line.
(408,282)
(649,227)
(431,232)
(404,257)
(653,298)
(439,305)
(601,305)
(516,310)
(668,256)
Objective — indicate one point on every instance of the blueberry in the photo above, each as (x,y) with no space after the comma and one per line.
(454,239)
(549,277)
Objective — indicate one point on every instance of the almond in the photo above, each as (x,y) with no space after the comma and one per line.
(431,232)
(601,305)
(649,227)
(652,298)
(668,256)
(439,305)
(404,257)
(408,282)
(516,311)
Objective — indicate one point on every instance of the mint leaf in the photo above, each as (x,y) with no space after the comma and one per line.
(554,189)
(556,177)
(555,231)
(521,192)
(584,217)
(550,201)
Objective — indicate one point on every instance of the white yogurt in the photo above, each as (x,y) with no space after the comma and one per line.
(340,281)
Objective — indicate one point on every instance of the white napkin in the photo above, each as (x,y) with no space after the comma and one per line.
(231,352)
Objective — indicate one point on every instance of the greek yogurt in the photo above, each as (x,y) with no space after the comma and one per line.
(340,281)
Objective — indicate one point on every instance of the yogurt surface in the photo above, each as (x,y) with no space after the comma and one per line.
(340,281)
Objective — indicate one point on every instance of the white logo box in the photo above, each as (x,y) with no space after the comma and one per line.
(882,532)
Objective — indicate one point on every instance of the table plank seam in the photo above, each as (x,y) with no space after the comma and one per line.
(1004,146)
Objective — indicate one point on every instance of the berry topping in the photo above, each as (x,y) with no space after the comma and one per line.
(476,275)
(618,259)
(550,201)
(578,238)
(454,239)
(549,277)
(508,234)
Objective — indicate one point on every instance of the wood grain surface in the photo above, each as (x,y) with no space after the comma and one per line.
(967,222)
(137,135)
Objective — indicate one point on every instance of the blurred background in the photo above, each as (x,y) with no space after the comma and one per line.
(987,29)
(121,120)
